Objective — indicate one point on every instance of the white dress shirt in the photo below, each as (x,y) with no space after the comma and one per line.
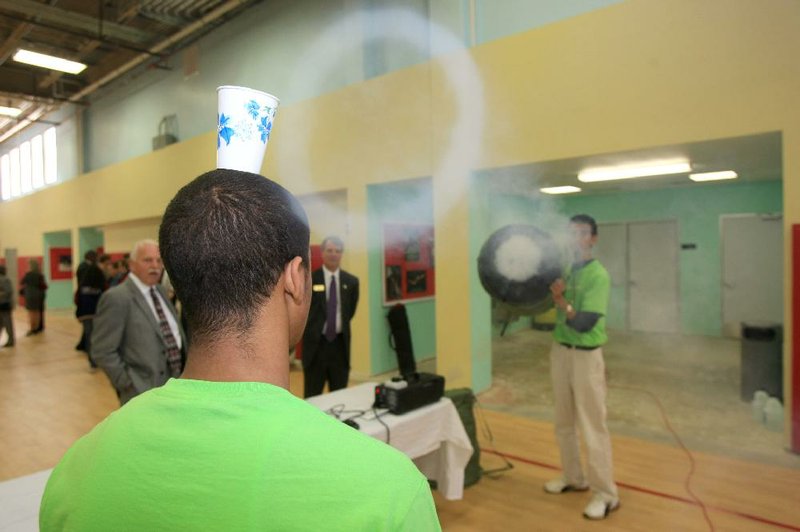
(173,325)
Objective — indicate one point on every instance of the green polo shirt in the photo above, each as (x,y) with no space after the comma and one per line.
(234,456)
(587,288)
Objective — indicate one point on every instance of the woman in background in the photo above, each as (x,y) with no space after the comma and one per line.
(6,306)
(33,289)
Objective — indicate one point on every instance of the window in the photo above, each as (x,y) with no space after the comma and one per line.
(30,166)
(15,188)
(37,162)
(50,166)
(5,177)
(25,167)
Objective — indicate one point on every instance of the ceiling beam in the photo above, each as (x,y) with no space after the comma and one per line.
(9,46)
(87,48)
(78,21)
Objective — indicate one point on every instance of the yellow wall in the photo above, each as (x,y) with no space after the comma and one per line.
(640,73)
(120,238)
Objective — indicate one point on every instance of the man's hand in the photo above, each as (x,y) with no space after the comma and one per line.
(557,289)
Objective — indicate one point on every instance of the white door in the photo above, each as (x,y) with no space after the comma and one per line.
(653,277)
(612,252)
(752,270)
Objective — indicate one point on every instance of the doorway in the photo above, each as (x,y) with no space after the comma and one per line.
(752,270)
(642,261)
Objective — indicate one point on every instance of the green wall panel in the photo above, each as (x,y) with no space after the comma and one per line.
(697,210)
(59,293)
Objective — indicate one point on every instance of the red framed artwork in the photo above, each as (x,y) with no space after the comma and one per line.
(408,263)
(60,263)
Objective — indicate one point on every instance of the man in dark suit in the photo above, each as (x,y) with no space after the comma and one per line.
(326,340)
(137,337)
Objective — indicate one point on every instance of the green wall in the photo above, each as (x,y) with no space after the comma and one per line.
(59,293)
(405,202)
(88,238)
(697,210)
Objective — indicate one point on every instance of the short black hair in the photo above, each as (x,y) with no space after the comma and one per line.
(2,270)
(333,239)
(90,255)
(585,219)
(225,240)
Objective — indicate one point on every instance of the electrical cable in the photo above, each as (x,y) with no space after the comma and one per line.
(378,417)
(688,479)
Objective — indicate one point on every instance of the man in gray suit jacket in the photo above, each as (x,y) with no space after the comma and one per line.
(137,337)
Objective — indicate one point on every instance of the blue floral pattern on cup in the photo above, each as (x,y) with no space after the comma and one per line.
(223,131)
(255,123)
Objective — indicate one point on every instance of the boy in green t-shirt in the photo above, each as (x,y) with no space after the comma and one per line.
(226,446)
(578,374)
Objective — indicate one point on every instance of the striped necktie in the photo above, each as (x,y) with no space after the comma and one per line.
(173,351)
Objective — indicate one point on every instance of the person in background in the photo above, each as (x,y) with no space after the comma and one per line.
(120,271)
(326,341)
(578,374)
(33,289)
(6,307)
(137,338)
(89,259)
(105,264)
(90,288)
(217,448)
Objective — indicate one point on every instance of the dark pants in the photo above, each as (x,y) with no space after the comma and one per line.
(330,364)
(40,328)
(7,323)
(86,340)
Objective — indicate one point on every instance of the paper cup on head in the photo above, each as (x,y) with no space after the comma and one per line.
(244,123)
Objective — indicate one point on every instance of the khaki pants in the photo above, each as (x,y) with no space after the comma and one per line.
(579,388)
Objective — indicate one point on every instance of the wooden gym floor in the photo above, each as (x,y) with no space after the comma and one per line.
(48,398)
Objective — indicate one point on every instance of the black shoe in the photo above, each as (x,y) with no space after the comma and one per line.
(9,344)
(30,333)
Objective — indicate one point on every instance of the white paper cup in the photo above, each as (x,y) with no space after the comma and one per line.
(244,123)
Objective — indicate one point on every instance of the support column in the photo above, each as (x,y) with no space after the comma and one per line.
(356,262)
(463,321)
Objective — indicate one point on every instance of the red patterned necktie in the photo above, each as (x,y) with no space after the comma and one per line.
(173,351)
(330,314)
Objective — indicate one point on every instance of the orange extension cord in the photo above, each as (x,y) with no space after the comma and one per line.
(687,481)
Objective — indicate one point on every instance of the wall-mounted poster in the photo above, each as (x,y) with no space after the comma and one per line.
(408,265)
(60,263)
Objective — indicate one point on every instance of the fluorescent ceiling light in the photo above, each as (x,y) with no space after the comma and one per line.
(9,111)
(611,173)
(714,176)
(48,61)
(560,190)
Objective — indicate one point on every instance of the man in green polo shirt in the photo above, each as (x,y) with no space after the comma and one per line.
(578,373)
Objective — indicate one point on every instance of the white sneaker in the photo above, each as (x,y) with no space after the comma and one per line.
(559,485)
(599,508)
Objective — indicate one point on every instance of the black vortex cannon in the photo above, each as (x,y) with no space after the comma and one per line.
(517,265)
